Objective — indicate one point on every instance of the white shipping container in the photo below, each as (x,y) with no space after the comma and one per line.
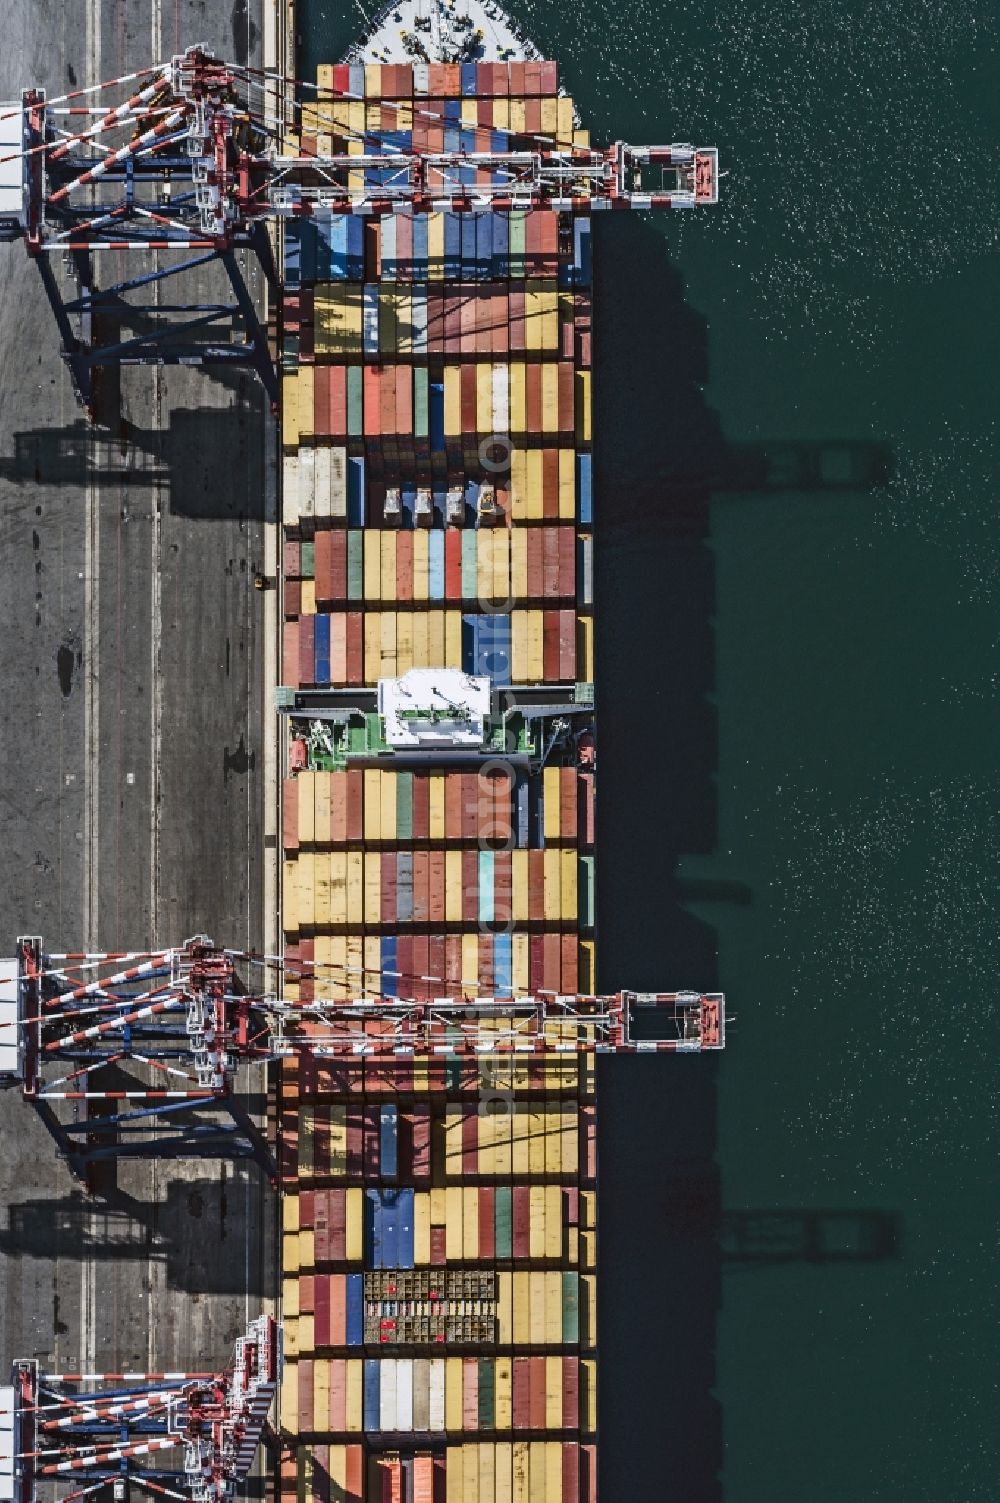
(338,482)
(421,78)
(418,320)
(437,1394)
(290,510)
(387,1395)
(404,1393)
(6,1444)
(369,327)
(307,483)
(10,1052)
(324,498)
(501,399)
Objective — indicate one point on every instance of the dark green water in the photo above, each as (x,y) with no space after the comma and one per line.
(799,549)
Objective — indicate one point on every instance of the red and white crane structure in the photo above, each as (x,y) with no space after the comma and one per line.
(184,1435)
(143,1050)
(196,158)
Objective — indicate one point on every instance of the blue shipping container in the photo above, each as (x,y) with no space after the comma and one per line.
(387,959)
(389,1141)
(584,497)
(500,262)
(469,80)
(435,564)
(468,234)
(321,657)
(404,1245)
(404,887)
(503,951)
(355,1309)
(436,415)
(521,807)
(371,1403)
(356,489)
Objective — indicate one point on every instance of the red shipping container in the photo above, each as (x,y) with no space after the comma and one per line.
(567,563)
(548,76)
(321,1309)
(436,961)
(552,962)
(453,564)
(355,648)
(517,320)
(533,396)
(306,1421)
(291,560)
(307,648)
(292,603)
(404,965)
(436,324)
(537,1390)
(536,578)
(567,646)
(307,1293)
(453,965)
(336,424)
(423,1479)
(520,1219)
(386,400)
(355,1475)
(421,1139)
(338,565)
(521,1393)
(533,77)
(536,885)
(567,409)
(355,804)
(548,244)
(404,566)
(516,80)
(321,400)
(550,483)
(421,965)
(290,654)
(338,1226)
(324,567)
(532,115)
(404,397)
(436,867)
(421,888)
(570,1472)
(341,79)
(470,1140)
(501,323)
(550,559)
(421,806)
(438,1256)
(570,972)
(470,885)
(338,1310)
(290,814)
(468,380)
(550,646)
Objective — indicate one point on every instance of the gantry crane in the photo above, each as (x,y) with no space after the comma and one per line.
(186,1435)
(210,159)
(144,1049)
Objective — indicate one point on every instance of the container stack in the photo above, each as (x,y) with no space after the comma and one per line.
(439,1214)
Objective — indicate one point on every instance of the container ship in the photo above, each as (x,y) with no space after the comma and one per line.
(439,1211)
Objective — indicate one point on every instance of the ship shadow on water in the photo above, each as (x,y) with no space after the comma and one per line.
(657,448)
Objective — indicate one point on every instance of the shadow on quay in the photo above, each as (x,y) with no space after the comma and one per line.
(197,1229)
(203,458)
(657,446)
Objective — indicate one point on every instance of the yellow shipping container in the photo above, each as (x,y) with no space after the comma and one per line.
(505,1309)
(521,1305)
(585,649)
(453,1394)
(373,630)
(587,964)
(520,1138)
(568,883)
(373,88)
(536,508)
(553,1307)
(355,901)
(354,1224)
(420,566)
(519,1469)
(290,411)
(288,1402)
(306,400)
(536,1208)
(290,1213)
(503,1393)
(551,784)
(487,1461)
(588,1210)
(373,965)
(470,1223)
(484,398)
(289,1299)
(387,646)
(564,119)
(338,886)
(582,381)
(372,804)
(321,809)
(470,1474)
(550,397)
(588,1250)
(421,1229)
(519,648)
(567,485)
(588,1396)
(435,247)
(470,111)
(321,1397)
(355,1397)
(536,655)
(554,1221)
(307,604)
(387,796)
(502,1157)
(520,959)
(453,639)
(452,401)
(536,1316)
(306,889)
(453,1226)
(436,639)
(404,642)
(501,566)
(436,801)
(518,480)
(291,1337)
(388,565)
(470,962)
(517,117)
(439,1206)
(373,887)
(307,1249)
(420,654)
(452,886)
(553,1398)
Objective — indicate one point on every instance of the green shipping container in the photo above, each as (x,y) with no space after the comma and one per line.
(504,1223)
(586,893)
(404,806)
(517,246)
(470,588)
(570,1308)
(355,405)
(420,401)
(308,560)
(355,565)
(487,1393)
